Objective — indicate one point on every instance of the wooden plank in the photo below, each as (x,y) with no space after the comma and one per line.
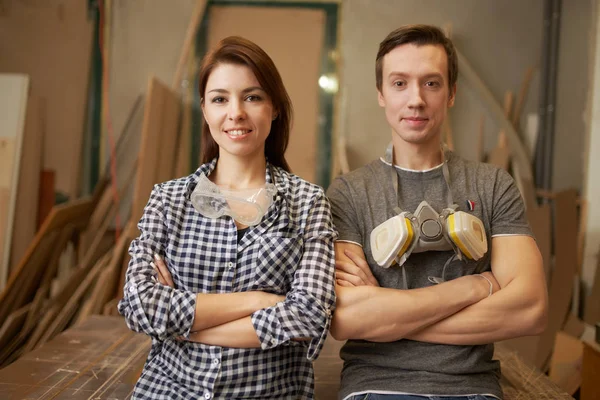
(46,195)
(190,34)
(590,389)
(565,267)
(159,132)
(522,95)
(99,359)
(49,273)
(4,205)
(107,283)
(21,291)
(592,303)
(76,212)
(13,104)
(7,159)
(13,324)
(565,366)
(25,224)
(517,149)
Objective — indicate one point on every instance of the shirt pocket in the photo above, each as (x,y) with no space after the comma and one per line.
(276,262)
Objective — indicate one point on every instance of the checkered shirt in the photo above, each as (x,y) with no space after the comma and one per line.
(290,253)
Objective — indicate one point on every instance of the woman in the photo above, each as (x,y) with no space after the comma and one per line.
(247,250)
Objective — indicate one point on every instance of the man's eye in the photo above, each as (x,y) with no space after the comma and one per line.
(398,83)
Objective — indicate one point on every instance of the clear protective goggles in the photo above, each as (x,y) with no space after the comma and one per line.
(246,206)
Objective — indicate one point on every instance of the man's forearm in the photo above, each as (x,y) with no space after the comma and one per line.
(516,310)
(385,315)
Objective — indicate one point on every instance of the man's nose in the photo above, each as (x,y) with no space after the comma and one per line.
(416,97)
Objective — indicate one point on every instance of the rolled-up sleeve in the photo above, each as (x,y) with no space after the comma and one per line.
(307,310)
(148,306)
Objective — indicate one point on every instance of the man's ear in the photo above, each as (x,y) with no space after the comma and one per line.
(452,96)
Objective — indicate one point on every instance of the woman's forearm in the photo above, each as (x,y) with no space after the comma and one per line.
(214,309)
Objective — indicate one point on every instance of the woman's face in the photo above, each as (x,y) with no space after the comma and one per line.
(237,110)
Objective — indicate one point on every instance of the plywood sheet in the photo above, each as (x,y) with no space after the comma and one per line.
(156,158)
(13,104)
(25,218)
(565,267)
(7,159)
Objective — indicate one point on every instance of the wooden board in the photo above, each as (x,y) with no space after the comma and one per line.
(590,389)
(565,267)
(592,303)
(7,159)
(99,359)
(4,205)
(25,219)
(12,325)
(55,51)
(157,147)
(13,105)
(565,366)
(76,212)
(46,195)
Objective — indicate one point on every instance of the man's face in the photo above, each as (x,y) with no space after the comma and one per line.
(415,93)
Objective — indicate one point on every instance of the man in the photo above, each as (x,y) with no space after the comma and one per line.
(427,327)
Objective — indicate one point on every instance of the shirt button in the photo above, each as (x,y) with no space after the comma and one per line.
(131,289)
(230,265)
(207,395)
(215,361)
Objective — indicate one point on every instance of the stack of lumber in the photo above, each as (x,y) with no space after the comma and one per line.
(75,266)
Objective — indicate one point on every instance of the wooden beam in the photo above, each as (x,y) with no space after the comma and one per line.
(190,35)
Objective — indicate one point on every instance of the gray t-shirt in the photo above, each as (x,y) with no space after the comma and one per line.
(364,198)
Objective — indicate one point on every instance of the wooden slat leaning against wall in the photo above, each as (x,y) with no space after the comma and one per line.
(13,102)
(160,130)
(28,186)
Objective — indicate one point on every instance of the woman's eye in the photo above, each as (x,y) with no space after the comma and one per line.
(218,100)
(253,97)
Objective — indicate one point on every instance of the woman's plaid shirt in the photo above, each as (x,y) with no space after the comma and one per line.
(290,252)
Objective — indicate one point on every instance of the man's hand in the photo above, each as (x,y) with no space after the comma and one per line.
(353,269)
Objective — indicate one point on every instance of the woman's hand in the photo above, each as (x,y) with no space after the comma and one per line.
(354,271)
(162,272)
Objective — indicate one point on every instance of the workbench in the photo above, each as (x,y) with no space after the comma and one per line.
(102,359)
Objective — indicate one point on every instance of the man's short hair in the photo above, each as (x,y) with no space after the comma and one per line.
(418,35)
